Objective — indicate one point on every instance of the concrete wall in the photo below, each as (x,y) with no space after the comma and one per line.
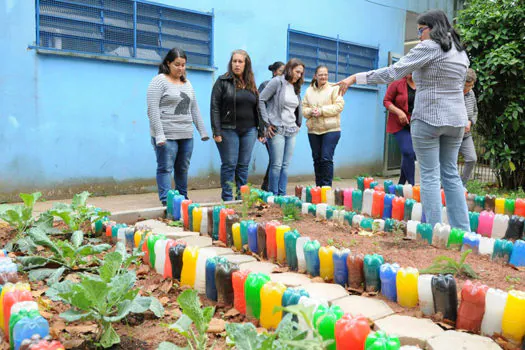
(69,123)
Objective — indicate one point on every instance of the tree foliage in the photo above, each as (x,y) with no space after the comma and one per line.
(494,34)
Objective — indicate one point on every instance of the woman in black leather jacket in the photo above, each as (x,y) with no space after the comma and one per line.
(235,121)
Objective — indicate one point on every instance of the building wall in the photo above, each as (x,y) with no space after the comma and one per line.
(69,123)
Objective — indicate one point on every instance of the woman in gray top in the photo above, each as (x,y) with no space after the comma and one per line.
(280,106)
(172,111)
(438,65)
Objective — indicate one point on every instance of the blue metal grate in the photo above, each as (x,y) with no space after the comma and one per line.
(341,57)
(124,28)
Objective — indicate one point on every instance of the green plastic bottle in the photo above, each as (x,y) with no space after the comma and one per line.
(381,341)
(474,221)
(372,263)
(502,250)
(455,240)
(387,184)
(366,224)
(479,203)
(349,215)
(329,212)
(389,225)
(424,232)
(312,209)
(399,190)
(409,204)
(510,205)
(373,184)
(151,248)
(357,200)
(252,292)
(169,203)
(290,240)
(325,319)
(308,194)
(361,183)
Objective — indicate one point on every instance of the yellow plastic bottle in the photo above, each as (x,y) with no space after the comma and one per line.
(137,237)
(189,266)
(500,206)
(324,189)
(406,285)
(237,238)
(326,267)
(271,296)
(279,240)
(197,219)
(513,322)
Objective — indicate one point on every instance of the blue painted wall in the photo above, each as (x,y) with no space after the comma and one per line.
(66,121)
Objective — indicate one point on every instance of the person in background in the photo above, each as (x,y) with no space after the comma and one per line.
(467,149)
(399,101)
(277,69)
(172,111)
(280,104)
(439,65)
(322,107)
(235,121)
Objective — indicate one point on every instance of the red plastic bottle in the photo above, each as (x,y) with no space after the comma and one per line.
(144,249)
(239,299)
(368,181)
(316,195)
(443,198)
(472,307)
(378,204)
(398,208)
(222,223)
(271,242)
(108,231)
(351,332)
(184,210)
(519,207)
(10,299)
(379,188)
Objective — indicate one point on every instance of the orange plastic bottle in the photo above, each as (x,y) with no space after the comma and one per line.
(398,208)
(189,266)
(185,215)
(443,201)
(472,307)
(378,204)
(351,332)
(416,193)
(279,242)
(368,181)
(144,248)
(271,242)
(519,207)
(222,223)
(316,195)
(239,299)
(271,296)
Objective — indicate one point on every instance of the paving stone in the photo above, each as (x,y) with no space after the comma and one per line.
(458,340)
(221,250)
(151,223)
(239,258)
(327,291)
(290,279)
(372,308)
(167,230)
(181,235)
(410,330)
(259,266)
(198,241)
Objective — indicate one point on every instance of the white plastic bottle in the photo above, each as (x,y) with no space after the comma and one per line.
(303,194)
(424,289)
(417,212)
(378,225)
(306,301)
(304,208)
(407,191)
(356,220)
(368,196)
(330,198)
(495,301)
(204,221)
(299,251)
(444,216)
(440,235)
(200,271)
(486,245)
(320,211)
(499,228)
(160,255)
(412,229)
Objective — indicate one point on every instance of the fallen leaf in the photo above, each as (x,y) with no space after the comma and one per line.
(317,280)
(281,269)
(37,293)
(216,326)
(219,244)
(82,329)
(46,315)
(73,277)
(143,270)
(166,286)
(365,233)
(151,287)
(231,313)
(40,248)
(164,300)
(72,343)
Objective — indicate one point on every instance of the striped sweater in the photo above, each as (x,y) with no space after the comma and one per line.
(172,110)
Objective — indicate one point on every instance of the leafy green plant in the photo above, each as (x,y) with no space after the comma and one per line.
(78,212)
(20,216)
(249,199)
(445,265)
(493,34)
(178,223)
(291,212)
(192,314)
(106,297)
(66,256)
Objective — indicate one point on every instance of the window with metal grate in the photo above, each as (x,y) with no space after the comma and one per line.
(341,57)
(135,29)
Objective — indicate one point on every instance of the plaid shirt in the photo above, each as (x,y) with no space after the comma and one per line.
(439,77)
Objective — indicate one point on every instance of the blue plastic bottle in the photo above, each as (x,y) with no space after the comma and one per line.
(387,211)
(291,296)
(252,236)
(517,257)
(340,268)
(388,274)
(28,326)
(177,203)
(392,189)
(211,288)
(311,255)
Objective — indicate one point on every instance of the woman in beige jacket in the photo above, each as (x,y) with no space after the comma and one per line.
(322,107)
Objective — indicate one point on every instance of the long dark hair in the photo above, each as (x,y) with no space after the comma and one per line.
(314,79)
(247,75)
(275,66)
(441,31)
(288,73)
(172,54)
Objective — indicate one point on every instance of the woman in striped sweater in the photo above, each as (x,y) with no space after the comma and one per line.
(172,111)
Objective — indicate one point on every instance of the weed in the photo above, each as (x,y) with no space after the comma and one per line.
(445,265)
(178,223)
(291,212)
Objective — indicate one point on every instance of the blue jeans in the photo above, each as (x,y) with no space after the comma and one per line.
(174,155)
(408,157)
(323,148)
(437,153)
(236,152)
(281,151)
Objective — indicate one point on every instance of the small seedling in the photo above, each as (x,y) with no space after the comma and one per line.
(445,265)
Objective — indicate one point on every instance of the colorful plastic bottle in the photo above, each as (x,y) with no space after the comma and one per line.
(160,255)
(474,221)
(176,254)
(472,307)
(244,231)
(197,219)
(189,266)
(316,195)
(339,197)
(151,248)
(513,321)
(261,240)
(499,226)
(290,242)
(185,214)
(486,246)
(519,207)
(298,191)
(299,249)
(326,268)
(252,290)
(200,270)
(495,302)
(455,239)
(381,341)
(366,223)
(517,257)
(445,296)
(356,271)
(325,319)
(324,190)
(308,194)
(398,208)
(211,286)
(424,293)
(424,232)
(308,302)
(304,208)
(12,297)
(28,324)
(340,268)
(361,183)
(271,297)
(499,206)
(490,202)
(502,250)
(412,229)
(399,190)
(387,274)
(231,219)
(471,242)
(417,212)
(177,207)
(378,204)
(514,229)
(387,208)
(347,194)
(443,198)
(239,298)
(279,240)
(479,203)
(348,217)
(208,223)
(223,282)
(351,332)
(271,242)
(440,235)
(222,224)
(357,200)
(368,196)
(311,254)
(372,264)
(416,193)
(252,236)
(471,203)
(373,185)
(407,287)
(389,225)
(291,296)
(408,191)
(19,311)
(169,204)
(236,232)
(366,182)
(409,204)
(217,220)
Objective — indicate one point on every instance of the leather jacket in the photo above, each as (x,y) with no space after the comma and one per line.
(222,109)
